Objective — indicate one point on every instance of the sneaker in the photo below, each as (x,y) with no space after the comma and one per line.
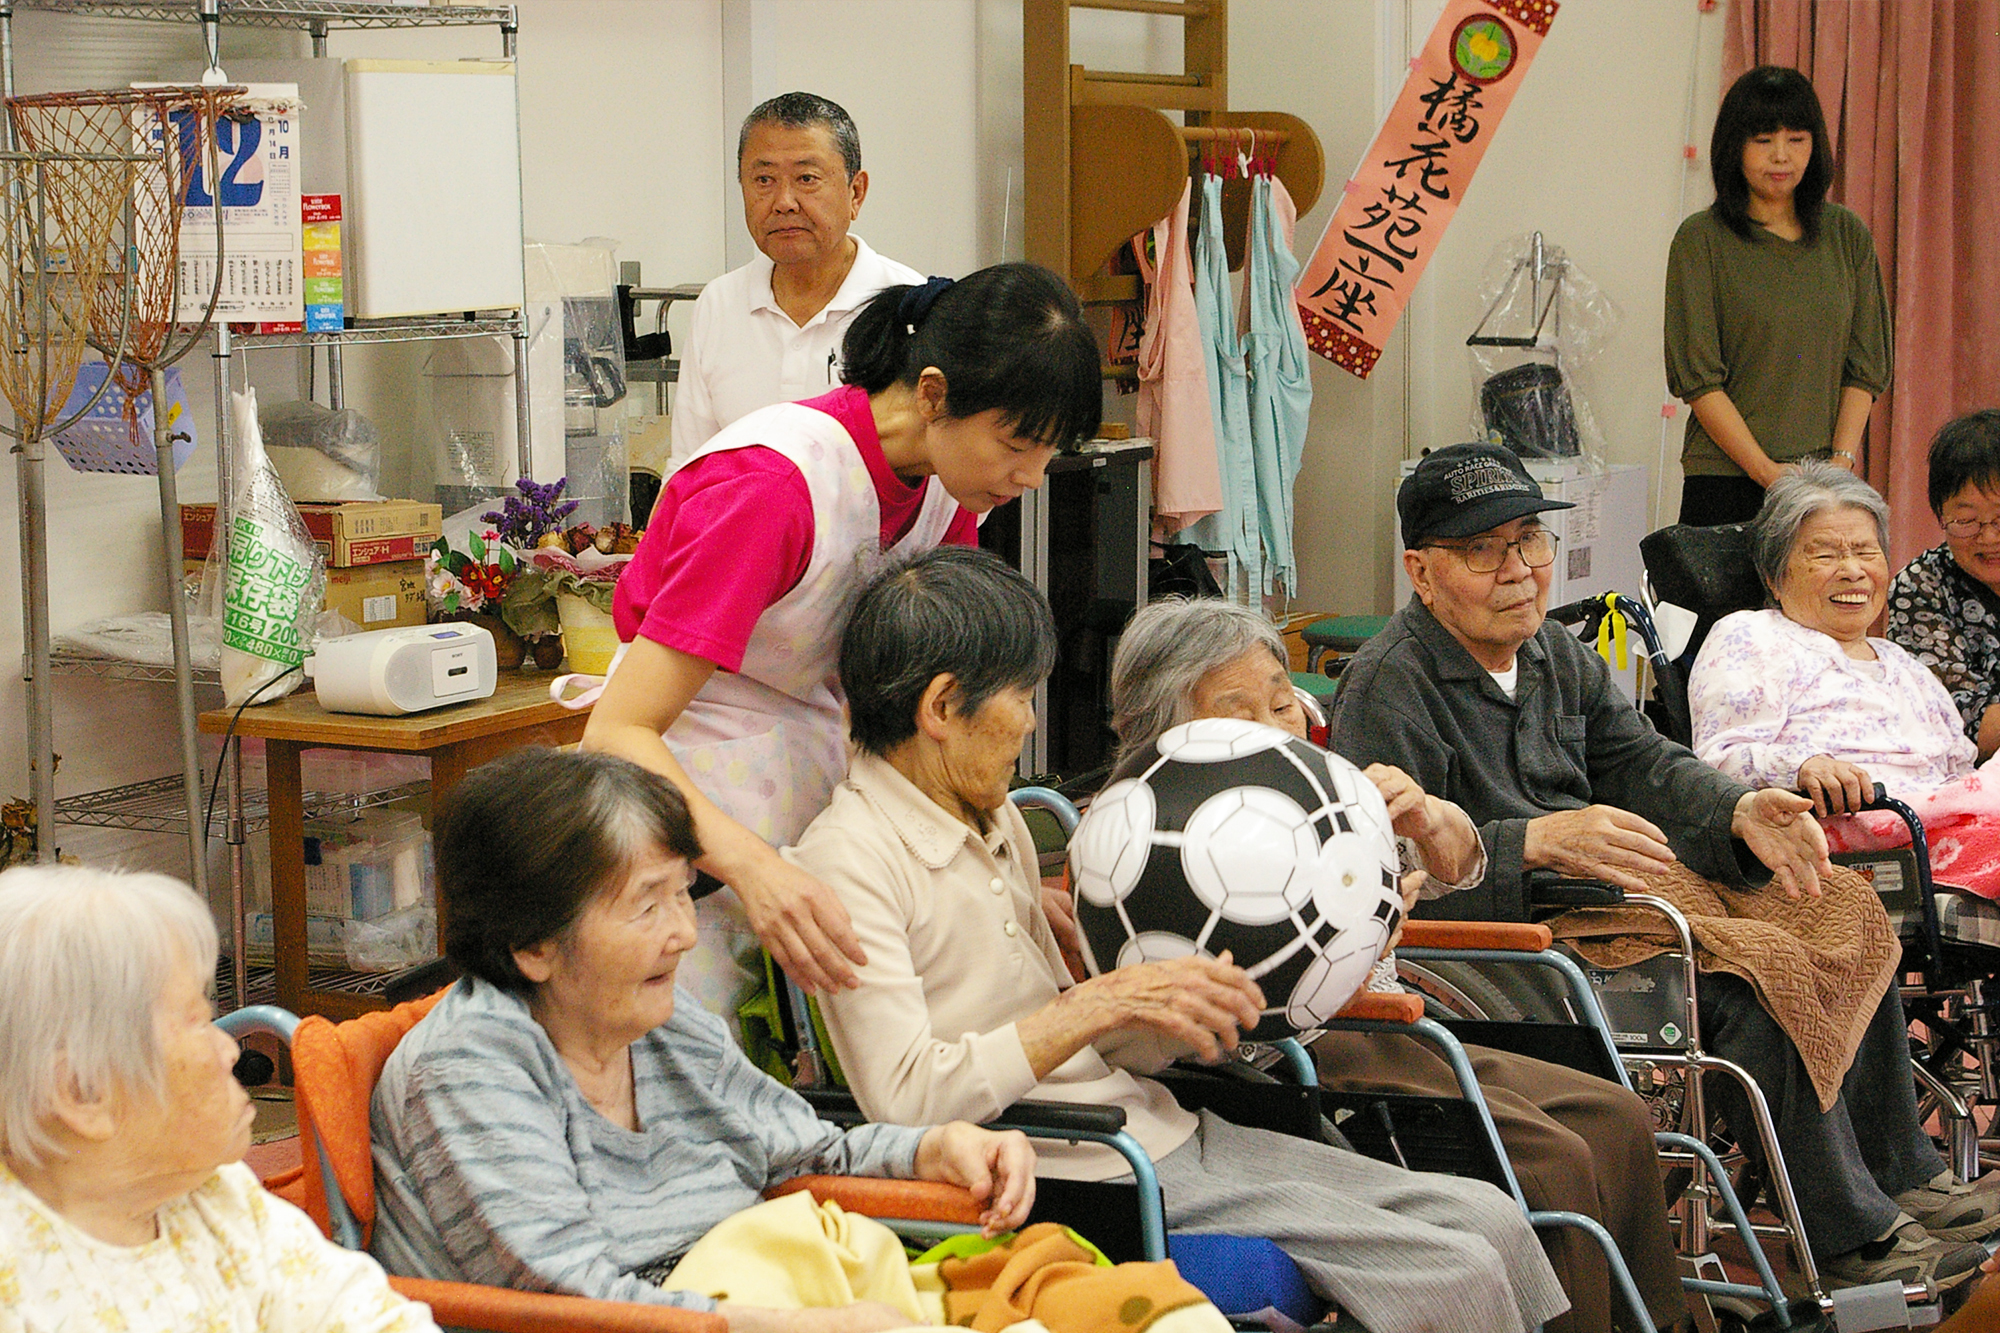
(1909,1254)
(1960,1210)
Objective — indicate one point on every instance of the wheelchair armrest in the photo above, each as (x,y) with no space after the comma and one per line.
(1383,1007)
(838,1106)
(1476,935)
(833,1104)
(1060,1117)
(1547,890)
(504,1310)
(910,1200)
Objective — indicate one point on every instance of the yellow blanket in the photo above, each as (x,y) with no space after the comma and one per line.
(794,1253)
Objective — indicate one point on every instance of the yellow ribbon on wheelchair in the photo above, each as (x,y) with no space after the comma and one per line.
(1611,634)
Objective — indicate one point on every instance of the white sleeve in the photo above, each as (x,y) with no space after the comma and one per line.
(310,1284)
(692,418)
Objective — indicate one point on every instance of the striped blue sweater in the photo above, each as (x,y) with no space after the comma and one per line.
(490,1167)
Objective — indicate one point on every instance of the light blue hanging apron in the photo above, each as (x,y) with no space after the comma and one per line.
(1280,389)
(1231,530)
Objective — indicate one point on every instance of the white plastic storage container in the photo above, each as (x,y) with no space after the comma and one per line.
(367,866)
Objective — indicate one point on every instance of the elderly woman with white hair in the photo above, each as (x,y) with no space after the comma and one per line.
(1801,695)
(123,1202)
(1576,1142)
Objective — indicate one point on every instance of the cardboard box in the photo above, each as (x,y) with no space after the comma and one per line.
(378,596)
(361,532)
(372,596)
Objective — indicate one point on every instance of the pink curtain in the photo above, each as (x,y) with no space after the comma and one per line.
(1911,90)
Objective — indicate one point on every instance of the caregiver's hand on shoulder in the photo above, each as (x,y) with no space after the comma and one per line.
(1835,786)
(860,1317)
(1598,842)
(800,920)
(1780,831)
(1203,1003)
(998,1167)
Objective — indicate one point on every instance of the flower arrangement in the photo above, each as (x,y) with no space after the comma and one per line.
(538,510)
(472,579)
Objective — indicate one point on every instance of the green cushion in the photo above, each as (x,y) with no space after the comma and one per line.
(1343,634)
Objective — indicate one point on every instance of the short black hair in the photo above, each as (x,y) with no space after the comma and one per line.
(804,111)
(525,841)
(956,611)
(1966,449)
(1767,99)
(1010,337)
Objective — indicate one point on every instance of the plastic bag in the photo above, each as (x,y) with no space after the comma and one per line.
(323,455)
(1532,398)
(276,580)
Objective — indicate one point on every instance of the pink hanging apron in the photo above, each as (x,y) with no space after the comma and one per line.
(1173,403)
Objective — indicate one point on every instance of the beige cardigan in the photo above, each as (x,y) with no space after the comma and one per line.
(959,949)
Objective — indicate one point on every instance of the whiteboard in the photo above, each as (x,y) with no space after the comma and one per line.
(434,185)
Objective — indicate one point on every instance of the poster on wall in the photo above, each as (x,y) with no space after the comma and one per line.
(1395,209)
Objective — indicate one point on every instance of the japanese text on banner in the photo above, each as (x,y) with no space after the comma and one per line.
(1396,207)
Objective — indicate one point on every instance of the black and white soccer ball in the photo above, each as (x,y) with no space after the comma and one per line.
(1242,837)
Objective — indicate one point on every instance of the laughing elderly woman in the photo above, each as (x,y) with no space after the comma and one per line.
(566,1119)
(1800,695)
(123,1203)
(1577,1143)
(965,1007)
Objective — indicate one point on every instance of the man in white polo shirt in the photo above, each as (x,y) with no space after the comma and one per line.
(770,332)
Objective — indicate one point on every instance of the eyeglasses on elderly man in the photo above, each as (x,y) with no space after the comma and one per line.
(123,1202)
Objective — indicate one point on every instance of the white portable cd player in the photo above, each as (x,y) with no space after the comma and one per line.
(404,670)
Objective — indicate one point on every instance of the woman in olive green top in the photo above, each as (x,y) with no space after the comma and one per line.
(1777,335)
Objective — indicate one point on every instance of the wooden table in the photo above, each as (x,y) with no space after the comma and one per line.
(455,739)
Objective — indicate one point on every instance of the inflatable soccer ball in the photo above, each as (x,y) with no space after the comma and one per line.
(1238,836)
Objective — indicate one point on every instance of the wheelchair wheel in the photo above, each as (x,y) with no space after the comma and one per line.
(1484,991)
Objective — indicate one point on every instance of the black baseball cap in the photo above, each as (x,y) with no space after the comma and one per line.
(1466,489)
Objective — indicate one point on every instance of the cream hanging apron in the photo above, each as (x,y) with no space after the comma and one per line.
(768,743)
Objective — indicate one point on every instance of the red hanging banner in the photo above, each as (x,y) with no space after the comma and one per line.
(1395,210)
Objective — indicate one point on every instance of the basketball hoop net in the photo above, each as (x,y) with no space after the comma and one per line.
(132,309)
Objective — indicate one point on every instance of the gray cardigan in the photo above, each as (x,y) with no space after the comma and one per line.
(1415,698)
(490,1166)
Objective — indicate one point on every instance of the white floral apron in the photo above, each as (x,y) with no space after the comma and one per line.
(768,743)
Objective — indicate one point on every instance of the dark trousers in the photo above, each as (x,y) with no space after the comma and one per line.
(1846,1164)
(1577,1144)
(1708,502)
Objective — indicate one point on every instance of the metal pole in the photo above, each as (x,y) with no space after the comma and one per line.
(177,617)
(336,375)
(239,943)
(35,561)
(523,419)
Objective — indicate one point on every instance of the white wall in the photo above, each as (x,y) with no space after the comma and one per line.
(629,114)
(1590,154)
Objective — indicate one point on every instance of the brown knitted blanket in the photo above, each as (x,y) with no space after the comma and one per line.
(1820,966)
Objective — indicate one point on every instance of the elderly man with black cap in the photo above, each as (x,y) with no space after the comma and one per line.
(1471,692)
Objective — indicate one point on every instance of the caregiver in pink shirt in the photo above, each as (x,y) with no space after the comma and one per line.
(955,396)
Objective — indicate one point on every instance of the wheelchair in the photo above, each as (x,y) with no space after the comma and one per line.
(1951,940)
(1653,1006)
(1275,1086)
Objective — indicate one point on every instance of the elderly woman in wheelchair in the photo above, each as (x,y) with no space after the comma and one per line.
(1800,695)
(965,1006)
(563,1120)
(123,1202)
(1578,1143)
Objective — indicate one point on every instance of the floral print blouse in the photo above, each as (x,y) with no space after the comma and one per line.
(1951,622)
(1767,694)
(229,1259)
